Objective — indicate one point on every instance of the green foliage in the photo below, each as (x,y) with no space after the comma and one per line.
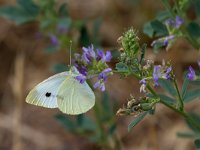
(122,67)
(167,85)
(25,11)
(137,120)
(84,38)
(155,28)
(197,7)
(192,95)
(194,30)
(184,87)
(197,144)
(187,134)
(167,99)
(194,118)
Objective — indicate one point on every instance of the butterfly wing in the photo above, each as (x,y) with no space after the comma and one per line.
(75,98)
(45,93)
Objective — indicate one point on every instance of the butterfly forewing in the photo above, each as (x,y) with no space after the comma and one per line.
(45,93)
(75,98)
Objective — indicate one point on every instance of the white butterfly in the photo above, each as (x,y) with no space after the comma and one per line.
(63,91)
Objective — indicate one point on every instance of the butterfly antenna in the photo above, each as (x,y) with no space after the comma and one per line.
(70,53)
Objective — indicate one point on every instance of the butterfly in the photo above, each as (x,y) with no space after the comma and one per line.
(64,92)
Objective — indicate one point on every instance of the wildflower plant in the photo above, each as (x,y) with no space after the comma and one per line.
(174,23)
(132,62)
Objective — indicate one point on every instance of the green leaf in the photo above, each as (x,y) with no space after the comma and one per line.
(159,28)
(29,6)
(17,14)
(197,144)
(66,122)
(148,29)
(85,123)
(187,134)
(84,37)
(63,10)
(25,11)
(115,54)
(195,118)
(167,85)
(167,99)
(194,30)
(163,15)
(197,82)
(137,120)
(106,106)
(197,7)
(184,87)
(122,67)
(192,95)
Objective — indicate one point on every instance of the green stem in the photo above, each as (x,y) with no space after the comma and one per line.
(181,112)
(103,135)
(179,99)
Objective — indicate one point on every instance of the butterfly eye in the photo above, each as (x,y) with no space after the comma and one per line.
(48,94)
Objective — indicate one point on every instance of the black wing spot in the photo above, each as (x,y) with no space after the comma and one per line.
(48,94)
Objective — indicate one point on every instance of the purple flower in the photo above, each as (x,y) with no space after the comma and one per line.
(143,81)
(156,74)
(102,56)
(167,39)
(143,86)
(88,54)
(198,63)
(100,85)
(53,39)
(80,78)
(174,23)
(191,74)
(179,21)
(167,74)
(164,41)
(108,56)
(81,69)
(104,74)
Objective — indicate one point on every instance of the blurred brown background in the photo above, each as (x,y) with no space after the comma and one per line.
(23,64)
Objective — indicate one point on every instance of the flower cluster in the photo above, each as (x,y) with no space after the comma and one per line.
(173,26)
(191,75)
(154,73)
(129,46)
(93,63)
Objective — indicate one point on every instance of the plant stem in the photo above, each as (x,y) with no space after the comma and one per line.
(103,136)
(181,112)
(179,99)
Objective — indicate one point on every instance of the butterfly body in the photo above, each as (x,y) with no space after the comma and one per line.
(63,91)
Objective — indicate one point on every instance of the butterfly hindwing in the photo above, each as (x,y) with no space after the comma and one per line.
(75,98)
(45,93)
